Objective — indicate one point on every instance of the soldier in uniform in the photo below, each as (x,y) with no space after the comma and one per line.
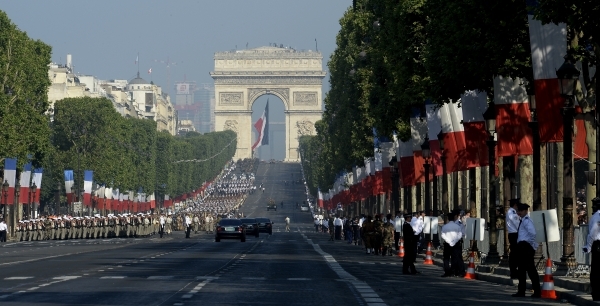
(377,236)
(19,235)
(410,256)
(593,245)
(161,230)
(388,236)
(196,222)
(368,232)
(169,224)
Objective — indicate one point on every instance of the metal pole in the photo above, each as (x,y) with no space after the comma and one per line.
(493,255)
(537,181)
(427,191)
(567,261)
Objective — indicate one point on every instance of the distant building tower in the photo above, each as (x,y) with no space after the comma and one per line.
(196,103)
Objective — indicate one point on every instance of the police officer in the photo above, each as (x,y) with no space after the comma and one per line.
(451,235)
(408,264)
(526,246)
(512,224)
(593,246)
(188,226)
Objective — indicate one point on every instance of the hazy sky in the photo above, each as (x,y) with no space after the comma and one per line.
(104,37)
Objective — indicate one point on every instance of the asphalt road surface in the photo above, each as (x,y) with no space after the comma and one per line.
(287,268)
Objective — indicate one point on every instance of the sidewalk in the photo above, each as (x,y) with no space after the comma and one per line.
(573,290)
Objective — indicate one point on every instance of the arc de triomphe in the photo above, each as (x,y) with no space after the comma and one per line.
(242,76)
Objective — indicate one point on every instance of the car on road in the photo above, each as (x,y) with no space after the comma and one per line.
(265,225)
(304,207)
(230,229)
(272,206)
(251,226)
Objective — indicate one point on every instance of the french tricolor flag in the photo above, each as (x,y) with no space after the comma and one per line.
(262,126)
(108,198)
(167,201)
(115,199)
(548,49)
(120,206)
(434,127)
(88,179)
(320,201)
(473,105)
(37,180)
(69,185)
(10,176)
(24,182)
(152,201)
(512,117)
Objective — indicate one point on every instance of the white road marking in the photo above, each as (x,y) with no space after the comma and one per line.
(361,287)
(18,277)
(161,277)
(113,277)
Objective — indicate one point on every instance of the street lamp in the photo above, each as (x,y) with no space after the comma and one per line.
(32,191)
(537,182)
(426,153)
(5,186)
(567,75)
(395,192)
(445,208)
(490,125)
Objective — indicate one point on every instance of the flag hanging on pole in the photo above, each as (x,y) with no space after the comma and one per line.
(88,178)
(150,71)
(69,185)
(24,182)
(136,59)
(10,177)
(262,127)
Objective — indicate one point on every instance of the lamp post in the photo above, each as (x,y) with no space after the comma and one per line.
(426,153)
(567,75)
(5,186)
(490,125)
(32,189)
(395,192)
(445,209)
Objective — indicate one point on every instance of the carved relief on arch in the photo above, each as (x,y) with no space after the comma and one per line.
(305,127)
(231,125)
(306,98)
(254,93)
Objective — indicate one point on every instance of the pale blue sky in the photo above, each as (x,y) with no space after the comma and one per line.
(104,37)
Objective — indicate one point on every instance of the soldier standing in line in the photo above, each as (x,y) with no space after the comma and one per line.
(378,226)
(19,233)
(196,222)
(451,235)
(410,256)
(388,236)
(169,224)
(368,233)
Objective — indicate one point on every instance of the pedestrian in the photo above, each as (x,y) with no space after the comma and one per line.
(338,224)
(287,224)
(3,229)
(388,236)
(451,236)
(378,236)
(398,222)
(331,227)
(593,246)
(526,246)
(512,223)
(408,264)
(457,260)
(161,229)
(188,226)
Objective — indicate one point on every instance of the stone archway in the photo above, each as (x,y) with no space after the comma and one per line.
(243,76)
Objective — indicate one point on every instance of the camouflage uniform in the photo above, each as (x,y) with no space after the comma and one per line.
(388,238)
(376,238)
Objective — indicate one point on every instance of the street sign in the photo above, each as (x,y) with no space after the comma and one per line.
(77,206)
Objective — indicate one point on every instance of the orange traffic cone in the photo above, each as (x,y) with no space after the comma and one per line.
(401,248)
(471,268)
(428,255)
(548,285)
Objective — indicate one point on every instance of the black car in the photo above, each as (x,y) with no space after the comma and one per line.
(265,225)
(230,229)
(250,225)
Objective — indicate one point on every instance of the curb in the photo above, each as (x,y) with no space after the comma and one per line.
(572,296)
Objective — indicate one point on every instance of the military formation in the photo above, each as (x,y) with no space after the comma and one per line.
(91,227)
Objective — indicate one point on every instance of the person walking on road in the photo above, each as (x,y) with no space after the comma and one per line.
(451,236)
(593,246)
(526,246)
(188,226)
(287,224)
(3,229)
(161,229)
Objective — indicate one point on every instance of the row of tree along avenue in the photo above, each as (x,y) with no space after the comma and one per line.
(87,135)
(424,93)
